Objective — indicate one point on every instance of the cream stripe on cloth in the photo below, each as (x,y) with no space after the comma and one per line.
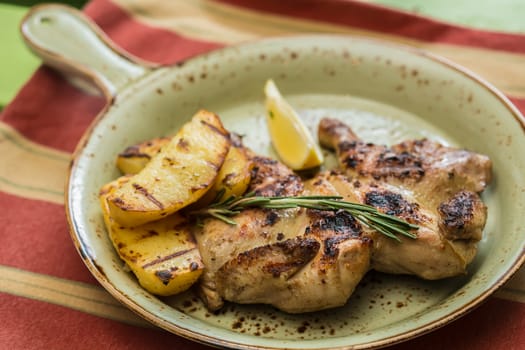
(96,301)
(226,24)
(80,296)
(41,175)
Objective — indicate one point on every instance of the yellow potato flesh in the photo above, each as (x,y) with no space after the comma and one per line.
(180,174)
(134,158)
(233,178)
(163,254)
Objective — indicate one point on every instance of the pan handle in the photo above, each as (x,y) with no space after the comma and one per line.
(64,38)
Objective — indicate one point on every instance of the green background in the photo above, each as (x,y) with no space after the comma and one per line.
(17,63)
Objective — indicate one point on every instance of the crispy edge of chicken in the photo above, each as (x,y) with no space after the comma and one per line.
(298,260)
(442,183)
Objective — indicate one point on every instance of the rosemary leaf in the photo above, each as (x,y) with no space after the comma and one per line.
(396,219)
(388,225)
(384,224)
(381,230)
(224,218)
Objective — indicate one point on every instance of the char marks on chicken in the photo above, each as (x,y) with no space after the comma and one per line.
(302,260)
(298,260)
(423,182)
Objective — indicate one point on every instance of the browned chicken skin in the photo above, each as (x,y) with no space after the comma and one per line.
(424,182)
(301,260)
(298,260)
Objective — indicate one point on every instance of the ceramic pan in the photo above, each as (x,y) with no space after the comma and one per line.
(386,92)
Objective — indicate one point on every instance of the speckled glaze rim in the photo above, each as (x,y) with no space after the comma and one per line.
(90,261)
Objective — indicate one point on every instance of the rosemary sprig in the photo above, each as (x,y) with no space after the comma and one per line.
(389,225)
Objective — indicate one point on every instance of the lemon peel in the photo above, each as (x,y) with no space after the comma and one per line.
(291,139)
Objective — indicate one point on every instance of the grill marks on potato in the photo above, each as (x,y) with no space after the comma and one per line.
(183,145)
(220,131)
(164,276)
(145,149)
(229,179)
(166,175)
(134,151)
(197,188)
(178,176)
(162,254)
(148,195)
(166,257)
(134,158)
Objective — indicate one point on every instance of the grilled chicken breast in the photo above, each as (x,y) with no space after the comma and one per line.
(422,181)
(301,260)
(298,260)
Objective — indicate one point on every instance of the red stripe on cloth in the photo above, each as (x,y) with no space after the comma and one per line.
(35,237)
(149,43)
(519,103)
(382,19)
(29,324)
(51,112)
(496,325)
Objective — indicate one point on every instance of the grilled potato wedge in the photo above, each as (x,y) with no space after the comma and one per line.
(235,174)
(233,178)
(181,173)
(163,254)
(134,158)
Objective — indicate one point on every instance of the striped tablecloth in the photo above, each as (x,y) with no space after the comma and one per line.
(49,300)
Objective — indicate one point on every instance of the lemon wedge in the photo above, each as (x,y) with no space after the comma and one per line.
(292,141)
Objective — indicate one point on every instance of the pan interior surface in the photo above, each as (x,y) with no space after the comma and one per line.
(386,94)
